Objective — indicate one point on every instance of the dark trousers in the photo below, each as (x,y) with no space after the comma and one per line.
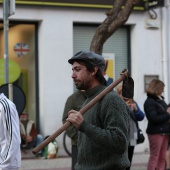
(130,155)
(74,156)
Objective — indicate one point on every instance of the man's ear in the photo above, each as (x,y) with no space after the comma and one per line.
(95,70)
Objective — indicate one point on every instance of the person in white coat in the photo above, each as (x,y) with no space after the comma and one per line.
(10,153)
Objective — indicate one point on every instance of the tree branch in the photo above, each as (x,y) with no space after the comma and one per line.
(116,17)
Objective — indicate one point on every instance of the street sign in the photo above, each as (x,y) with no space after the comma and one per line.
(19,98)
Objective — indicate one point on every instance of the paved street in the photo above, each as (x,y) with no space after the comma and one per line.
(64,163)
(140,161)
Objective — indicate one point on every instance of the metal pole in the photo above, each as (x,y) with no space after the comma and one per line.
(10,92)
(6,25)
(8,10)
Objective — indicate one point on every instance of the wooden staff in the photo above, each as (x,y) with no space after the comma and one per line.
(82,111)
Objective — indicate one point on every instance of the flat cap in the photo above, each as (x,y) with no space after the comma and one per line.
(91,57)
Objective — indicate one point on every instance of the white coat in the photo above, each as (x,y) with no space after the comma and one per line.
(10,153)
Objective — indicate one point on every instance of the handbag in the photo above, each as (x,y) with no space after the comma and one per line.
(141,137)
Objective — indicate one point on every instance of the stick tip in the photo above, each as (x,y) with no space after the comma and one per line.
(34,152)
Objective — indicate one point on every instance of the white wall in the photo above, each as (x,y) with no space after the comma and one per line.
(56,47)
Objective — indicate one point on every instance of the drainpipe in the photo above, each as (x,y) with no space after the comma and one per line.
(168,36)
(165,52)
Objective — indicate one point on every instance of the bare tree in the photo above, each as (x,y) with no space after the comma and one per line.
(116,17)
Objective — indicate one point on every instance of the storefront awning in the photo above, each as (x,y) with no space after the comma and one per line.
(142,5)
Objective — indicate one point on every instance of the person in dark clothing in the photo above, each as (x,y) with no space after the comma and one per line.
(75,102)
(158,129)
(103,131)
(168,153)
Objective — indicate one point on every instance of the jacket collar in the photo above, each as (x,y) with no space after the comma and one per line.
(155,97)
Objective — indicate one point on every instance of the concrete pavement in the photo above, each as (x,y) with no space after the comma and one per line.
(64,163)
(140,161)
(46,164)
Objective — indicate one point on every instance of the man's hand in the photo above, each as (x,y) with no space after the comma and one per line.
(168,110)
(75,118)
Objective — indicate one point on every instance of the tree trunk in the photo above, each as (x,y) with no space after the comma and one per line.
(116,17)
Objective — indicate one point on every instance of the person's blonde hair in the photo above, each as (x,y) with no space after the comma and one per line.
(155,87)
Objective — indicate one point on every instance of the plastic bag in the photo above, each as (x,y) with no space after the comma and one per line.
(51,150)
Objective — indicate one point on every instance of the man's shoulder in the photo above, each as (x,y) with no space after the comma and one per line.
(4,101)
(112,95)
(76,95)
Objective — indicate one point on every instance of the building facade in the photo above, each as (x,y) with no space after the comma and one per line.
(50,33)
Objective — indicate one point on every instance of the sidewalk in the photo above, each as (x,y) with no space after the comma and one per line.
(140,161)
(64,163)
(46,164)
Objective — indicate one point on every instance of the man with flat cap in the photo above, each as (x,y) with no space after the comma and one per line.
(104,129)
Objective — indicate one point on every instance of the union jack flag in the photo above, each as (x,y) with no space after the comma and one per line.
(21,49)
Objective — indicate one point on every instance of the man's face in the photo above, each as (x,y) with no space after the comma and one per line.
(23,117)
(81,76)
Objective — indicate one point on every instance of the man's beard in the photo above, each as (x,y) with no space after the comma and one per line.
(81,86)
